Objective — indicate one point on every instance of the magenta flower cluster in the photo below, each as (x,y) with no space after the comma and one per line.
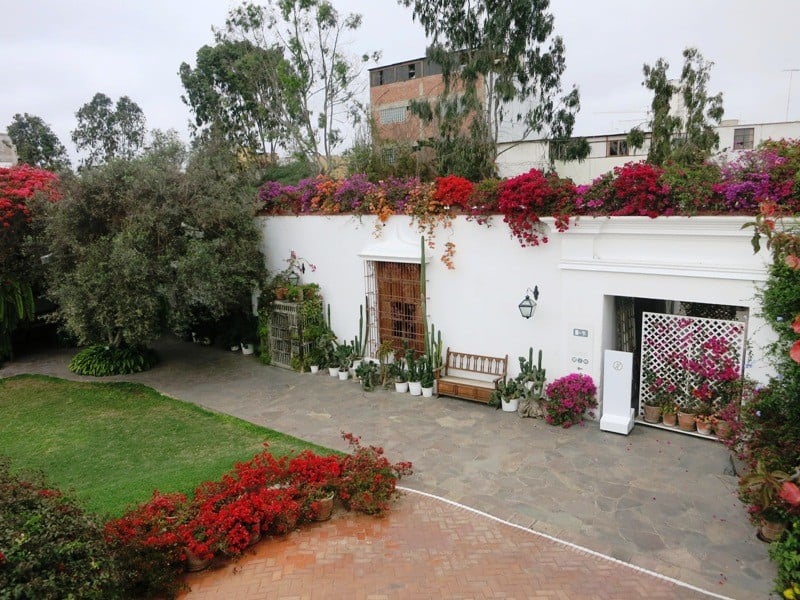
(569,398)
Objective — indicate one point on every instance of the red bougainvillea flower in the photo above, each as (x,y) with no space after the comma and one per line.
(453,190)
(796,324)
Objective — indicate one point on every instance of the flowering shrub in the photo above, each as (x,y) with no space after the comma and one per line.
(524,199)
(50,548)
(568,398)
(749,180)
(453,191)
(638,190)
(368,479)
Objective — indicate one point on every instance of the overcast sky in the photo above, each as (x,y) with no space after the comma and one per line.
(56,54)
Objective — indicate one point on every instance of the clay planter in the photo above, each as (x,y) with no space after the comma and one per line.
(325,508)
(652,413)
(771,531)
(704,428)
(723,429)
(686,421)
(670,419)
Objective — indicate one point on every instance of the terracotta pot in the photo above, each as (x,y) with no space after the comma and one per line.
(325,508)
(195,563)
(670,419)
(686,421)
(771,531)
(723,429)
(704,428)
(652,413)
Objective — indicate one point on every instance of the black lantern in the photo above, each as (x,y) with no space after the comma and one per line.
(528,306)
(293,277)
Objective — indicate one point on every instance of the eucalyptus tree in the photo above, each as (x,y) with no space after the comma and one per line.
(686,135)
(318,81)
(502,66)
(231,91)
(107,131)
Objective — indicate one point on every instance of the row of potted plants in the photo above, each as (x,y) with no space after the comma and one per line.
(265,495)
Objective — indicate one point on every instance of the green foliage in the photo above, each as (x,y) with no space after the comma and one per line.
(785,553)
(692,187)
(231,90)
(688,138)
(101,361)
(499,66)
(289,173)
(50,548)
(107,131)
(36,144)
(309,34)
(16,305)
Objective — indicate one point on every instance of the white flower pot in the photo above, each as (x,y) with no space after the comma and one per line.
(510,405)
(427,392)
(247,348)
(401,387)
(414,388)
(354,366)
(333,371)
(314,369)
(343,375)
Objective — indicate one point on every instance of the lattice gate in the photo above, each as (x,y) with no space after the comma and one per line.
(670,342)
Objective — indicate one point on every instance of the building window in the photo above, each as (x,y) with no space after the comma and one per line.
(743,138)
(412,70)
(395,114)
(617,148)
(393,291)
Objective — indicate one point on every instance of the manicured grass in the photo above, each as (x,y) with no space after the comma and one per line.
(112,444)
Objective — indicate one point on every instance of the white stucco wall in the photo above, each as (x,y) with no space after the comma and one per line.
(697,259)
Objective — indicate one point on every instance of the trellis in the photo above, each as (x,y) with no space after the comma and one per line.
(669,342)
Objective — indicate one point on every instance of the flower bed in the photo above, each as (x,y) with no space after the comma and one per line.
(263,496)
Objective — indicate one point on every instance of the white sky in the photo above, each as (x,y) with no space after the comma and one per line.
(56,54)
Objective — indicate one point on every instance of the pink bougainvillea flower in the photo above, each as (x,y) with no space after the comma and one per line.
(795,352)
(792,261)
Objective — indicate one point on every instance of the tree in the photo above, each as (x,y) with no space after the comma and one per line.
(230,90)
(501,64)
(318,80)
(139,246)
(107,131)
(36,144)
(686,135)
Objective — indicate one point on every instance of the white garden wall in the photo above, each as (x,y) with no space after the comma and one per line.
(697,259)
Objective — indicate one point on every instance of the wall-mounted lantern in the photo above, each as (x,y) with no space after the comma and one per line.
(528,306)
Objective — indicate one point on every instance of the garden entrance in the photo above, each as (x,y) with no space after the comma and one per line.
(395,306)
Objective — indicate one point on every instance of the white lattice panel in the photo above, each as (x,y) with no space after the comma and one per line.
(669,342)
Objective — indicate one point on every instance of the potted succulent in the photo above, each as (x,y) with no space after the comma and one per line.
(367,373)
(426,376)
(397,371)
(507,395)
(414,383)
(344,359)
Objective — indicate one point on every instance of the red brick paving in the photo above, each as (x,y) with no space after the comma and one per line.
(425,548)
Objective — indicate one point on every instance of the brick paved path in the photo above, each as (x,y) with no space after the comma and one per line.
(425,549)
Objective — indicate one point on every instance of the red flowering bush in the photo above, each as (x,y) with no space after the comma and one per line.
(568,398)
(315,477)
(638,190)
(524,199)
(368,479)
(453,191)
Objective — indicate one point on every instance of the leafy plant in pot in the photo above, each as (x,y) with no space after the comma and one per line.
(761,489)
(507,395)
(367,373)
(426,377)
(414,383)
(344,359)
(397,371)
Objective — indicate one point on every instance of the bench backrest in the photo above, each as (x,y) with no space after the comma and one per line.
(476,363)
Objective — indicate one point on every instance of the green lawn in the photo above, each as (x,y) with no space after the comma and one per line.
(112,444)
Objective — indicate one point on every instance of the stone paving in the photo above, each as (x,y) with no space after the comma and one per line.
(654,499)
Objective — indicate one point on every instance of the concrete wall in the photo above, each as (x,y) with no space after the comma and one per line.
(697,259)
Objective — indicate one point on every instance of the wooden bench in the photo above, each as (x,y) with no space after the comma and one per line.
(471,376)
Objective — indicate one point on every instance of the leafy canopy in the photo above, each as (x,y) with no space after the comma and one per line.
(687,133)
(36,144)
(502,68)
(106,131)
